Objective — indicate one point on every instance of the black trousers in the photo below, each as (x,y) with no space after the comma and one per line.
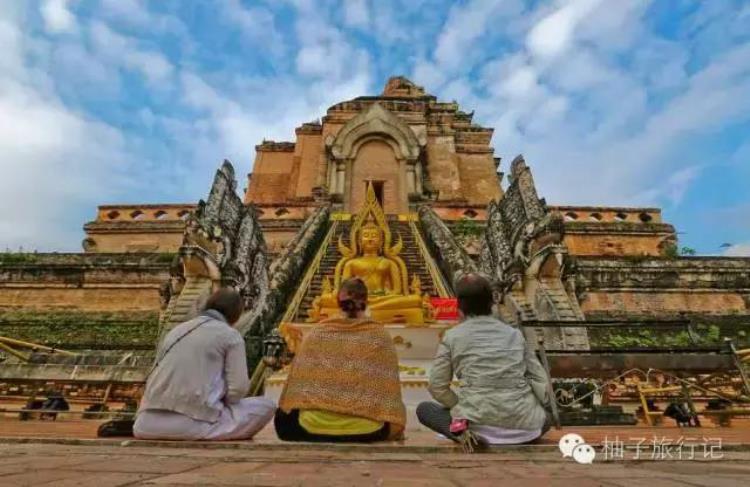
(438,419)
(288,429)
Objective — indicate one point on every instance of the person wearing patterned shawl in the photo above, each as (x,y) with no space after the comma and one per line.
(343,384)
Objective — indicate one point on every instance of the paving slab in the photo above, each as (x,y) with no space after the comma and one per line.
(67,453)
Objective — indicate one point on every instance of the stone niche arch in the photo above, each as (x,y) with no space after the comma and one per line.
(376,161)
(383,148)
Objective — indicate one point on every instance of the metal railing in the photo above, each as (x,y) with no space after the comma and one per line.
(299,295)
(437,277)
(11,346)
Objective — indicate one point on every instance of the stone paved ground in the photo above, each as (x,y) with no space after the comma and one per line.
(66,453)
(110,466)
(70,429)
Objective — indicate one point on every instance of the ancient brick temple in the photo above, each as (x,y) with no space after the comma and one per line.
(445,197)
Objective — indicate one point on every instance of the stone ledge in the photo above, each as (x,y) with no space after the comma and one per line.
(81,259)
(618,228)
(740,264)
(269,224)
(400,448)
(273,146)
(135,226)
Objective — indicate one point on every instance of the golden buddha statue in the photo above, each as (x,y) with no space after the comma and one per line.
(372,258)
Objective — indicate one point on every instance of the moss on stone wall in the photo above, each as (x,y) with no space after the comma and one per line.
(76,330)
(13,258)
(629,337)
(466,229)
(46,259)
(706,332)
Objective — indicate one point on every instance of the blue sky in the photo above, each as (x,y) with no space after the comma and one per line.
(626,102)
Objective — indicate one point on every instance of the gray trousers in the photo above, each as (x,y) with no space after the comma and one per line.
(436,417)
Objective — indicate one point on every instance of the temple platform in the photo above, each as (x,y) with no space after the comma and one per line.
(66,430)
(66,452)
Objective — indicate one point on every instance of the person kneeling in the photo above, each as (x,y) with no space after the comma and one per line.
(196,390)
(343,384)
(503,387)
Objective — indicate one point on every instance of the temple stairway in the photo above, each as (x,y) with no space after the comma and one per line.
(415,344)
(524,311)
(411,255)
(565,308)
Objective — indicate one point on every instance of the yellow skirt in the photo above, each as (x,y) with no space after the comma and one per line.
(320,422)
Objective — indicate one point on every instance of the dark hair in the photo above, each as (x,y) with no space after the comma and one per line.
(228,302)
(352,296)
(474,293)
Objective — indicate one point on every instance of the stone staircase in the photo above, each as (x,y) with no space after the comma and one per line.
(524,309)
(186,305)
(566,309)
(410,254)
(412,257)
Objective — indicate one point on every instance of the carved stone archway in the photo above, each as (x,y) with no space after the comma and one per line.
(380,126)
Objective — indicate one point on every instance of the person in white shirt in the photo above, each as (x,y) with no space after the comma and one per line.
(197,388)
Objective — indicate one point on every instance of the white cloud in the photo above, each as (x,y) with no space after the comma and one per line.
(586,89)
(119,49)
(675,186)
(738,250)
(129,11)
(356,13)
(83,71)
(135,15)
(57,16)
(466,23)
(325,52)
(257,24)
(428,74)
(233,121)
(57,163)
(573,102)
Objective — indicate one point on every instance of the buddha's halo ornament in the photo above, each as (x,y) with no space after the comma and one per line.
(371,216)
(371,257)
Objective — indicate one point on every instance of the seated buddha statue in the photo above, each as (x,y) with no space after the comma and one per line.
(372,259)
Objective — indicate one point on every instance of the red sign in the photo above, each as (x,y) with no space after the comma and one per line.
(445,309)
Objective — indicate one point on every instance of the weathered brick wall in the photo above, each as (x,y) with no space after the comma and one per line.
(277,233)
(442,167)
(614,244)
(608,236)
(376,161)
(664,302)
(87,282)
(455,213)
(106,301)
(459,162)
(132,240)
(619,286)
(137,228)
(479,180)
(270,180)
(117,297)
(308,156)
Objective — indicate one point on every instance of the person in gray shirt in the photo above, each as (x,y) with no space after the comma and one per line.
(502,393)
(197,389)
